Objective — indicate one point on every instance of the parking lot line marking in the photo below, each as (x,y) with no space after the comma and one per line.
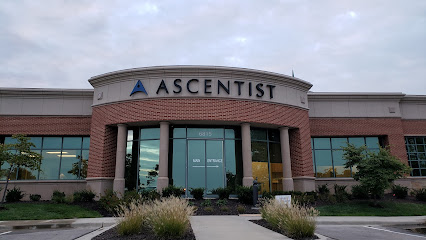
(5,233)
(394,232)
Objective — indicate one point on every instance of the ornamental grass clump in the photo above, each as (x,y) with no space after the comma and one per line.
(296,221)
(133,217)
(169,217)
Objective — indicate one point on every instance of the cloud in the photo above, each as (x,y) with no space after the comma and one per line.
(337,46)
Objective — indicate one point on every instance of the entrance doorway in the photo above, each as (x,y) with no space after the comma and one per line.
(206,167)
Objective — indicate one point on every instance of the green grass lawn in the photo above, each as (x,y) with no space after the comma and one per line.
(361,208)
(41,211)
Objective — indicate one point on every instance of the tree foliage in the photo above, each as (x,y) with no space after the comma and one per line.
(18,155)
(376,170)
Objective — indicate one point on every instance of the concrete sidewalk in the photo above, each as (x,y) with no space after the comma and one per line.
(230,227)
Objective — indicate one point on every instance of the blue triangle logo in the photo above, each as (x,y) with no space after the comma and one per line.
(138,88)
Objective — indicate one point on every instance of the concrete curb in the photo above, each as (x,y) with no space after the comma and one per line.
(58,223)
(412,220)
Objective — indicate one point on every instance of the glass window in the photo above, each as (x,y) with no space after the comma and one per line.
(52,143)
(70,164)
(130,135)
(13,175)
(416,150)
(86,142)
(72,143)
(322,143)
(258,134)
(372,142)
(9,140)
(259,151)
(26,173)
(205,133)
(50,164)
(273,135)
(149,163)
(179,162)
(323,163)
(150,133)
(84,164)
(339,164)
(229,133)
(36,141)
(357,141)
(231,164)
(179,133)
(338,143)
(261,174)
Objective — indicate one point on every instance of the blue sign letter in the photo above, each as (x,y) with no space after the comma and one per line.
(138,88)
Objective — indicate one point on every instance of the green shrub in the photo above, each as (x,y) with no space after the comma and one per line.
(358,192)
(267,195)
(130,196)
(173,191)
(400,192)
(305,198)
(150,195)
(35,197)
(208,209)
(420,194)
(14,195)
(132,217)
(169,217)
(206,203)
(297,221)
(109,201)
(222,192)
(323,189)
(58,197)
(84,196)
(245,194)
(241,209)
(224,209)
(221,202)
(340,193)
(197,193)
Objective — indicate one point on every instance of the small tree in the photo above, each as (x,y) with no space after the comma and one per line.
(376,170)
(23,157)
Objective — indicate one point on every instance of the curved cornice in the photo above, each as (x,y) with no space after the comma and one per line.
(195,71)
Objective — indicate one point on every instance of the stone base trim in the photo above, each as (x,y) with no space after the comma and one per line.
(99,185)
(304,184)
(44,187)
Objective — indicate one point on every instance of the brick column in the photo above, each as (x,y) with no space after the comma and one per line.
(286,160)
(163,175)
(246,149)
(119,182)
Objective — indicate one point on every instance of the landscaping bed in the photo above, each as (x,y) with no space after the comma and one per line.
(217,207)
(145,234)
(265,224)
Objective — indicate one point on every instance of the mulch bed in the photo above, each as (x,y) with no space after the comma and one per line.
(146,235)
(265,224)
(230,209)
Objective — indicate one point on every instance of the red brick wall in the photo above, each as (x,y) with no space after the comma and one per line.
(102,148)
(44,125)
(414,127)
(390,128)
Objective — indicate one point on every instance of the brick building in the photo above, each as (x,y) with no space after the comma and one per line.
(209,127)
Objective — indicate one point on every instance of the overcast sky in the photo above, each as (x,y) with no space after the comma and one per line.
(348,46)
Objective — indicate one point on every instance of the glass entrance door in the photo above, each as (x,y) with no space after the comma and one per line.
(205,165)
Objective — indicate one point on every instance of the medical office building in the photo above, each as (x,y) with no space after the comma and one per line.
(205,126)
